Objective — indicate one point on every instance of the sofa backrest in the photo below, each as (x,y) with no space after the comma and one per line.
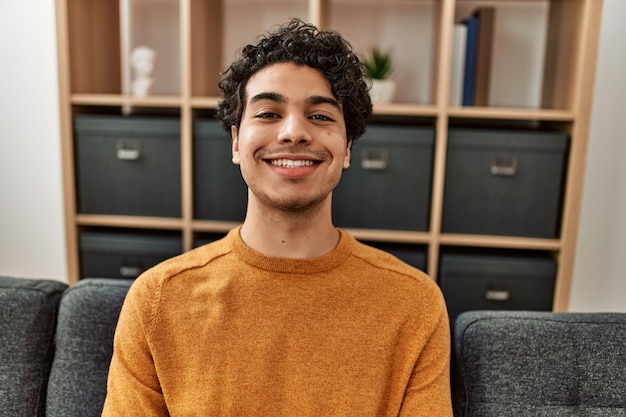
(88,316)
(527,364)
(28,312)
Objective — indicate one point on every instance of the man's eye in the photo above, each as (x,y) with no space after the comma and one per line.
(322,117)
(266,115)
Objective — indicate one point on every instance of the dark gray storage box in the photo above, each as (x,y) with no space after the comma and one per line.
(502,182)
(414,255)
(220,192)
(496,280)
(388,183)
(112,254)
(206,238)
(128,165)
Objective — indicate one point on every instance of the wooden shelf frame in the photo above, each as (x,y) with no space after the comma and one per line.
(91,78)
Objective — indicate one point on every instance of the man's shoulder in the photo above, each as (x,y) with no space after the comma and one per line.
(186,263)
(386,262)
(407,285)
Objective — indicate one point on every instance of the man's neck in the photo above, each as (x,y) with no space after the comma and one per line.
(290,235)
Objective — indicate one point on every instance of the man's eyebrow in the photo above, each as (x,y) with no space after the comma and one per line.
(278,98)
(313,100)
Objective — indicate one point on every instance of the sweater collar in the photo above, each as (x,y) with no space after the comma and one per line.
(290,265)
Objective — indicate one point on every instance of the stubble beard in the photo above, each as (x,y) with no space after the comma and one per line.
(303,205)
(293,203)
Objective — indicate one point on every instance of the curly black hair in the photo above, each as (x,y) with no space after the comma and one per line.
(302,44)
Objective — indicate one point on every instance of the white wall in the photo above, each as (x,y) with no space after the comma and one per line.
(600,268)
(31,219)
(32,241)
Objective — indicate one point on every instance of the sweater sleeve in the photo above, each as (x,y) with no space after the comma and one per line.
(133,386)
(428,392)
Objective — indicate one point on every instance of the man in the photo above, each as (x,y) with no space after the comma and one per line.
(287,315)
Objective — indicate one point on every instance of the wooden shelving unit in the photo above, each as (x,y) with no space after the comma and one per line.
(90,45)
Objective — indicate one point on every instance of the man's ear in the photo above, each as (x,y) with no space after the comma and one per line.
(235,144)
(346,159)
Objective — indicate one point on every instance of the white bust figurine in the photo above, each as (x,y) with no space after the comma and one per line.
(142,61)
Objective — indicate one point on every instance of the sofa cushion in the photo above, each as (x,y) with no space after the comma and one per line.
(84,345)
(28,312)
(541,364)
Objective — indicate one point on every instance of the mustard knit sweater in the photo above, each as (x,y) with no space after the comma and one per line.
(224,330)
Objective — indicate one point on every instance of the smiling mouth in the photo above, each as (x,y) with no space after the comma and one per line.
(291,163)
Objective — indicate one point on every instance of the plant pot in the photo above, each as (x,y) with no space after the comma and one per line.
(383,91)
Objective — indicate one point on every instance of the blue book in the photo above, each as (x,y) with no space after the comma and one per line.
(469,75)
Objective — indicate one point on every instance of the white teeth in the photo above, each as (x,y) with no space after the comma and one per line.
(290,163)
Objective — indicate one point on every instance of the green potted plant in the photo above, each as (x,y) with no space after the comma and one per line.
(378,67)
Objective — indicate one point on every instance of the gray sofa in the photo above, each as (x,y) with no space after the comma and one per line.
(56,344)
(539,364)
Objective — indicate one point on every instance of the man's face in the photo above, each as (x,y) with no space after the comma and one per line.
(291,144)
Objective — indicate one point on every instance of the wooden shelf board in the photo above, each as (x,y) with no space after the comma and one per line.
(205,102)
(511,113)
(399,236)
(500,241)
(125,100)
(143,222)
(405,109)
(213,226)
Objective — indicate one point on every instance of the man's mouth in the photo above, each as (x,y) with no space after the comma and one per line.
(291,163)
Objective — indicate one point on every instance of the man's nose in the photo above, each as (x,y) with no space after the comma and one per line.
(295,130)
